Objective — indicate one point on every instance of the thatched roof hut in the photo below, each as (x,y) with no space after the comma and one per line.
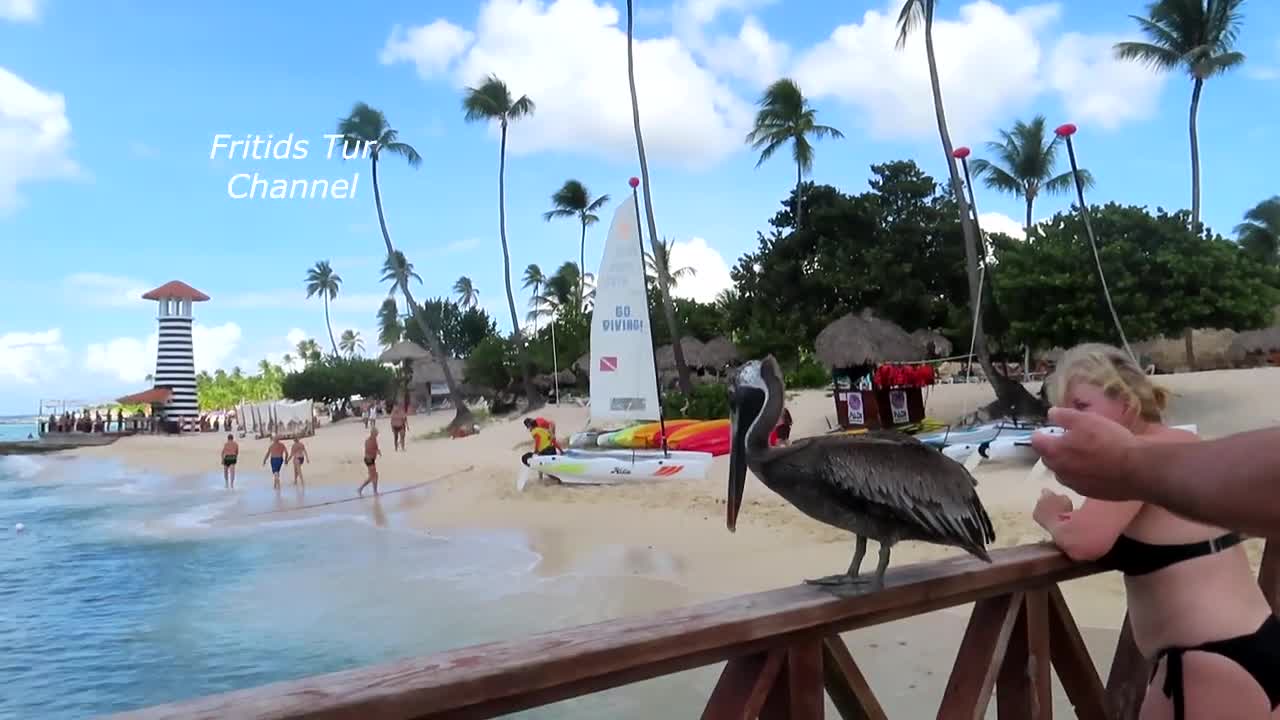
(932,342)
(719,352)
(582,365)
(694,354)
(864,339)
(427,370)
(404,350)
(1257,345)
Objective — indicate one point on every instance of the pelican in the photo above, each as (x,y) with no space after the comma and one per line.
(883,485)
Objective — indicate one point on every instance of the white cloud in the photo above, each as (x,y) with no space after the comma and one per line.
(30,357)
(298,300)
(712,271)
(91,288)
(35,135)
(20,10)
(132,359)
(1097,87)
(751,55)
(569,57)
(994,222)
(431,48)
(860,64)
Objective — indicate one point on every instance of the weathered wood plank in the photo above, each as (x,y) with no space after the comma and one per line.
(980,656)
(1024,689)
(744,684)
(503,677)
(804,679)
(1127,681)
(846,685)
(1072,661)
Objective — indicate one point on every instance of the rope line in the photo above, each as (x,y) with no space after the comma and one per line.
(446,476)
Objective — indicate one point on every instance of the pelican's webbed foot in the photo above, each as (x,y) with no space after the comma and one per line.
(837,579)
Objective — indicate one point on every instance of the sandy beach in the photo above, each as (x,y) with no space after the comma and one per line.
(663,536)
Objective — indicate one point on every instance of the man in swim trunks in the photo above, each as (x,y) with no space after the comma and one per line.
(277,453)
(298,453)
(230,453)
(399,426)
(371,454)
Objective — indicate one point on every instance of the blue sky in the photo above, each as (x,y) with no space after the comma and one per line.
(108,112)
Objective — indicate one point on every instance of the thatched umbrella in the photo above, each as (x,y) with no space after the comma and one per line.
(1259,343)
(402,351)
(719,352)
(427,370)
(583,364)
(933,343)
(863,339)
(694,354)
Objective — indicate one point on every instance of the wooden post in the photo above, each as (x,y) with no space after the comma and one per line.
(1127,681)
(744,684)
(978,661)
(846,685)
(1071,659)
(1024,689)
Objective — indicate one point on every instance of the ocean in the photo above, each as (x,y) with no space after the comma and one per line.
(16,431)
(126,590)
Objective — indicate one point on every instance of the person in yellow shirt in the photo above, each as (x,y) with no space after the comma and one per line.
(544,442)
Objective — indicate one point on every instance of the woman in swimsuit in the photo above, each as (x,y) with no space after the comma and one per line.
(1195,607)
(298,453)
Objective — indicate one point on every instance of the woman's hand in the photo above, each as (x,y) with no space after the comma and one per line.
(1050,506)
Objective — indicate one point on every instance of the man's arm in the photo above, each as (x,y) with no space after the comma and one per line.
(1232,482)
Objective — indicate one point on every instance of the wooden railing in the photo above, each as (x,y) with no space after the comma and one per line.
(783,649)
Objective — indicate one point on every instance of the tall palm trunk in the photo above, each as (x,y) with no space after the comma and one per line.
(530,394)
(799,206)
(328,324)
(1187,339)
(462,415)
(1030,201)
(668,309)
(582,266)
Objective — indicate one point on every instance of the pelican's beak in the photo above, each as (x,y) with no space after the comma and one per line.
(744,406)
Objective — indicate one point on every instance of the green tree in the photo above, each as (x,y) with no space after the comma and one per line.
(1024,165)
(366,131)
(785,116)
(573,200)
(534,279)
(668,308)
(308,351)
(351,343)
(390,329)
(560,292)
(468,294)
(1163,277)
(460,330)
(323,281)
(337,379)
(395,267)
(660,257)
(491,101)
(1259,234)
(222,391)
(1197,36)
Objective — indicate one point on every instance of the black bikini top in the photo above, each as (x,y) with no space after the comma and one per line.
(1134,557)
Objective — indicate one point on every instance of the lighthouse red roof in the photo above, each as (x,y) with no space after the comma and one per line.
(175,289)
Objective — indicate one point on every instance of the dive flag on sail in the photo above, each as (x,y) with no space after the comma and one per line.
(609,364)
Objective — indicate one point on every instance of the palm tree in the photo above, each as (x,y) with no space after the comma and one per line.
(390,329)
(668,309)
(308,350)
(323,281)
(662,259)
(534,279)
(488,102)
(1195,35)
(1259,234)
(395,266)
(367,128)
(573,199)
(1009,394)
(1024,164)
(286,360)
(352,343)
(468,294)
(560,293)
(785,116)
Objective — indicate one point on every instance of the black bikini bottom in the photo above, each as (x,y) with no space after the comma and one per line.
(1258,653)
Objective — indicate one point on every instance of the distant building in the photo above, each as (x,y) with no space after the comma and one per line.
(175,352)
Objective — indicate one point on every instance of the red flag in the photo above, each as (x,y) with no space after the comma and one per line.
(609,363)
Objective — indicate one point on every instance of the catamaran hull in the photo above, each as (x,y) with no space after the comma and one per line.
(577,467)
(1015,448)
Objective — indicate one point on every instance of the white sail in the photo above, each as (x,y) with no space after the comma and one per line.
(623,385)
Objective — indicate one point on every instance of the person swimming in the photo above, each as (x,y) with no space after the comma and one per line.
(230,453)
(1195,607)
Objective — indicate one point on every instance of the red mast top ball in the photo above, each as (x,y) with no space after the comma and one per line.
(1066,130)
(960,153)
(634,182)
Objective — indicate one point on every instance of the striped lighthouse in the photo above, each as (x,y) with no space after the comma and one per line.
(175,352)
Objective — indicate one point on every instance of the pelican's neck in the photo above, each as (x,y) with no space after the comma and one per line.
(758,434)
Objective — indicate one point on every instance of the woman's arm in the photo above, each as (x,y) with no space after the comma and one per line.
(1088,533)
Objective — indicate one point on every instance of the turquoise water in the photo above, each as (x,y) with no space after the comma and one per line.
(125,591)
(12,431)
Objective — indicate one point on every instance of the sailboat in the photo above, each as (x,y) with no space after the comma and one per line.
(624,378)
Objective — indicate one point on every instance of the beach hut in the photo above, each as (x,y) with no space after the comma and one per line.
(1255,347)
(932,342)
(428,381)
(860,350)
(155,399)
(720,353)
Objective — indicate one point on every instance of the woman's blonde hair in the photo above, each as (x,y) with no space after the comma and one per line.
(1111,369)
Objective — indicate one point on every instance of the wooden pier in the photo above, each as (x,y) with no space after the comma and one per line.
(782,650)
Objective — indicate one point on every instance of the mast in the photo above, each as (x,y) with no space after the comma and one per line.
(662,423)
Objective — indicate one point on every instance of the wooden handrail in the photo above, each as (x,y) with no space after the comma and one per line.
(782,647)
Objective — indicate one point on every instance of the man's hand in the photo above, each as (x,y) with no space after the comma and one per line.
(1094,457)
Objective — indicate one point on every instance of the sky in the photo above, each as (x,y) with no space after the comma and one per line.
(111,184)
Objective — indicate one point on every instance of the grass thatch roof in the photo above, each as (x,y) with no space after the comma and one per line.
(583,364)
(694,354)
(719,352)
(1252,342)
(864,339)
(932,342)
(427,370)
(403,350)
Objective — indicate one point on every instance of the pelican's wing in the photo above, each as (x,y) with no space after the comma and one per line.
(906,482)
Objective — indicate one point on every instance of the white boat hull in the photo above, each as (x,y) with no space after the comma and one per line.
(1012,449)
(614,467)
